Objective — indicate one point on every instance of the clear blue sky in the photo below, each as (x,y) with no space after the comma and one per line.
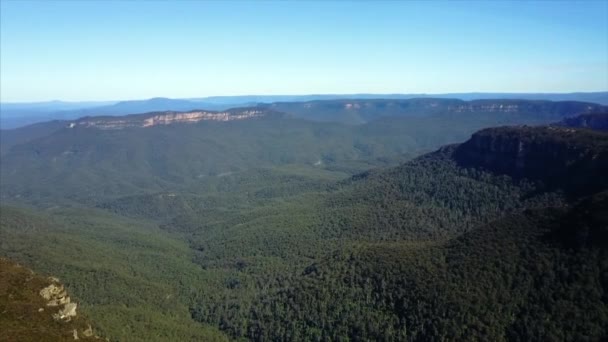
(83,50)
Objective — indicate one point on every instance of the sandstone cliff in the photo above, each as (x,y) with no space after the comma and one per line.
(166,118)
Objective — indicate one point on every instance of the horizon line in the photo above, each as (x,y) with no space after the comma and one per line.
(305,94)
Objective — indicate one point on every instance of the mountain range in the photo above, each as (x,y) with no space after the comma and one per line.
(13,115)
(157,150)
(346,219)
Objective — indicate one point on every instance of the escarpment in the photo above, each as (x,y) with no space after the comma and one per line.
(576,160)
(166,118)
(596,121)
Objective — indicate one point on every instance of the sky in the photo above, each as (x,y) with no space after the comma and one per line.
(120,50)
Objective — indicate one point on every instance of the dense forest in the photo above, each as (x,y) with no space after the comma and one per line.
(283,229)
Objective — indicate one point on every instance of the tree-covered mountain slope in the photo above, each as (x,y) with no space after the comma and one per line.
(423,205)
(94,159)
(536,275)
(130,278)
(12,137)
(94,164)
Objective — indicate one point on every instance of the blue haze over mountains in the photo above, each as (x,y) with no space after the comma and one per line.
(14,115)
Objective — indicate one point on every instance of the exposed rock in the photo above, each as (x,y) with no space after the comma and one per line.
(166,118)
(66,314)
(55,294)
(88,332)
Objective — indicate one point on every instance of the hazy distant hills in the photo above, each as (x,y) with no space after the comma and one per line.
(359,111)
(16,115)
(106,156)
(10,137)
(143,106)
(595,97)
(13,115)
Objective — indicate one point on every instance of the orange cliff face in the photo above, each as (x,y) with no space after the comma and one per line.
(166,119)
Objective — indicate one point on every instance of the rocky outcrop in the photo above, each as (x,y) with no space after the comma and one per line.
(55,294)
(570,159)
(66,314)
(36,308)
(166,118)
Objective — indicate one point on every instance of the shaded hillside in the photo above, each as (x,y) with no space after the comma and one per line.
(596,121)
(37,308)
(430,197)
(421,287)
(512,279)
(12,137)
(574,160)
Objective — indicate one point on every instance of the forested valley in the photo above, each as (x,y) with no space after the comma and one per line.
(397,220)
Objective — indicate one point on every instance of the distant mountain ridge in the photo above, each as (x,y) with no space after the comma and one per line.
(167,118)
(600,97)
(358,111)
(14,115)
(355,111)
